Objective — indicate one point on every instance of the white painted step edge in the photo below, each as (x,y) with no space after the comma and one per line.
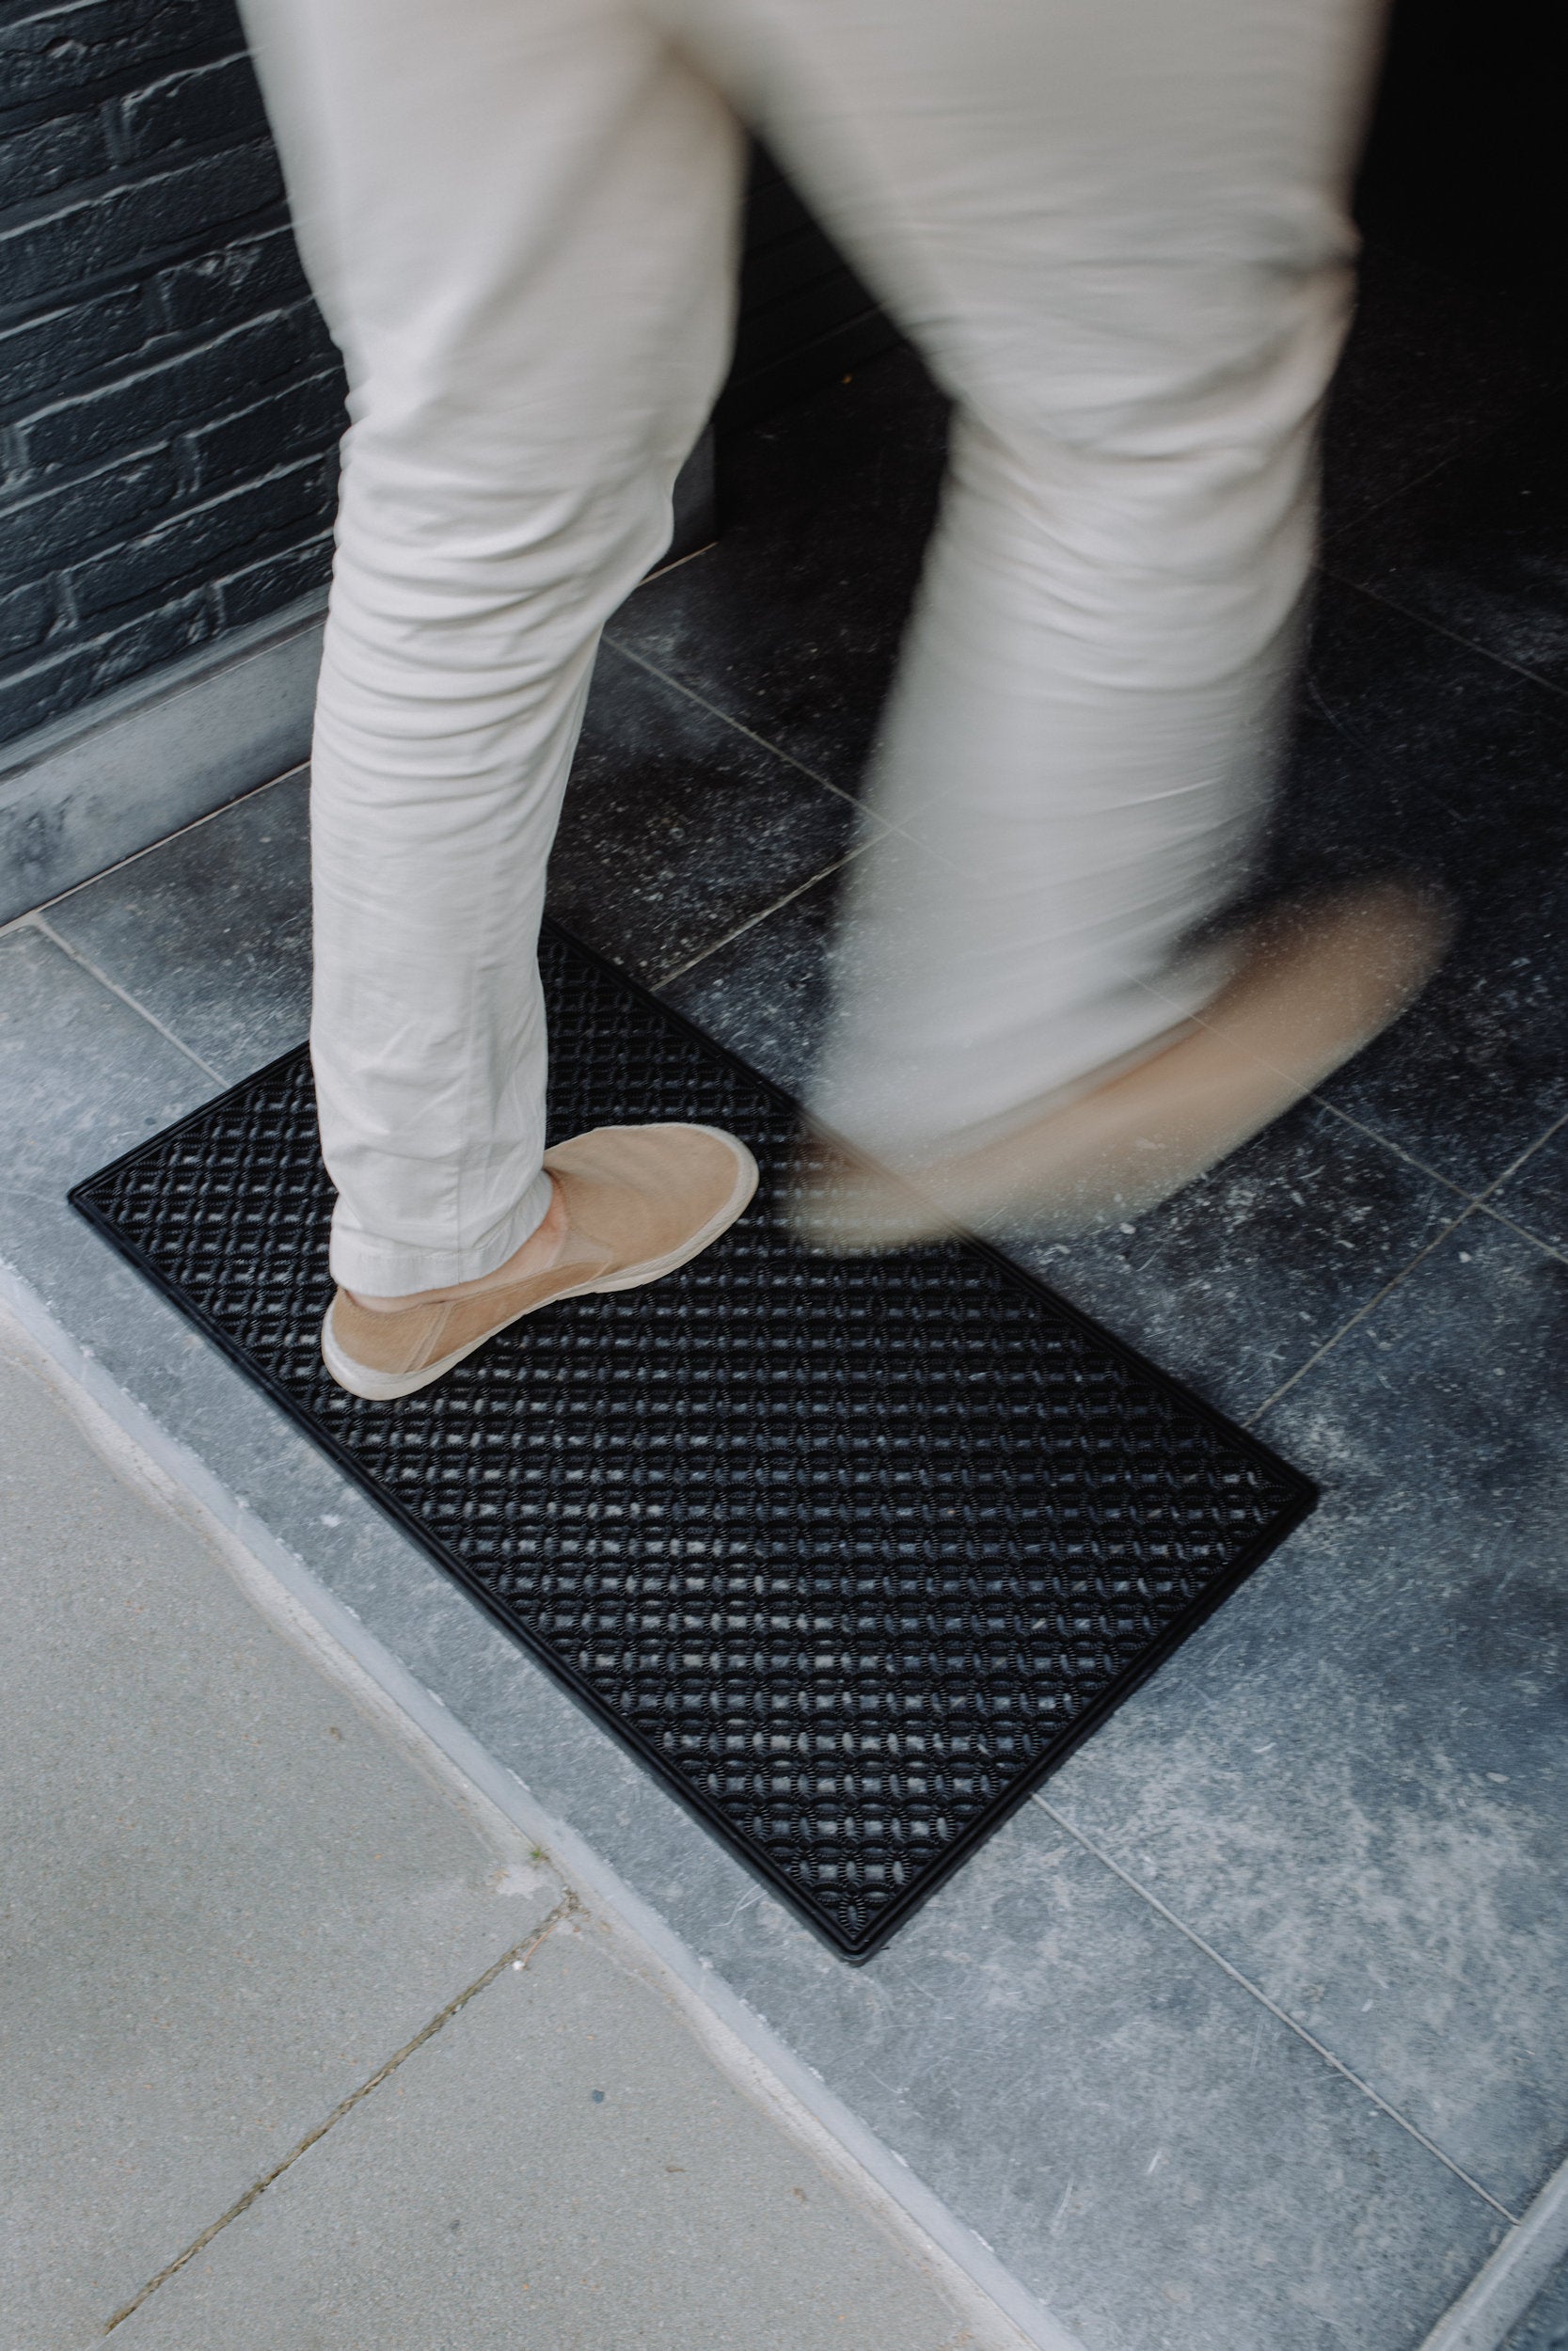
(1501,2292)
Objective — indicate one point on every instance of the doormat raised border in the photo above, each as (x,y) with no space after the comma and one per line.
(851,1554)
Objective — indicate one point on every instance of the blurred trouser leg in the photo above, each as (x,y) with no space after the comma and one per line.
(1115,226)
(519,217)
(1116,230)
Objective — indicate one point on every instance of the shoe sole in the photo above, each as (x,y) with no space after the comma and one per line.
(386,1387)
(1083,1167)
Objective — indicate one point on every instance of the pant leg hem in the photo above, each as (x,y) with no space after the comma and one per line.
(392,1269)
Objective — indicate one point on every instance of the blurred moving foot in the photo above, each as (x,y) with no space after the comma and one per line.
(1312,985)
(631,1204)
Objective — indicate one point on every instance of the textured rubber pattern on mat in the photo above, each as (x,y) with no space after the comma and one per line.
(851,1552)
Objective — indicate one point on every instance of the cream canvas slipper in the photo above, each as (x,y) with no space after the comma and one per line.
(1312,985)
(638,1200)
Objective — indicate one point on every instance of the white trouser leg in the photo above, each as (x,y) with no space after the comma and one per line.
(519,215)
(1116,230)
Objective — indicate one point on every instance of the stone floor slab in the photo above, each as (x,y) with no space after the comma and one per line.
(676,828)
(211,932)
(560,2168)
(1351,1782)
(226,1899)
(81,1075)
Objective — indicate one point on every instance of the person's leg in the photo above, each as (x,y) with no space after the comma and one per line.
(519,216)
(1116,230)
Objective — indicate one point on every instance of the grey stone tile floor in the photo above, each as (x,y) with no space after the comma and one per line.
(304,2045)
(1250,2030)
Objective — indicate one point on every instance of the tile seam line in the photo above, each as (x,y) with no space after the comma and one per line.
(135,856)
(1476,1203)
(1470,1209)
(1316,1100)
(1481,1197)
(1424,620)
(1281,2015)
(518,1955)
(1386,1142)
(1354,523)
(1511,1224)
(1472,443)
(713,710)
(85,963)
(667,979)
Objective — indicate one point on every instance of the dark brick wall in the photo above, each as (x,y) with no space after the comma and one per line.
(169,403)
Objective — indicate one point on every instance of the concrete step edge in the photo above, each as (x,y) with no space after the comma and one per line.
(1001,2312)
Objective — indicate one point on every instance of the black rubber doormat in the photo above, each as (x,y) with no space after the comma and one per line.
(851,1554)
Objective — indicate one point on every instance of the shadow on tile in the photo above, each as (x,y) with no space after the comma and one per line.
(1411,752)
(791,624)
(677,829)
(211,929)
(1351,1782)
(1480,547)
(1431,365)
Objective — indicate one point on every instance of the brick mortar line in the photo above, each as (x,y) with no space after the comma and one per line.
(212,236)
(170,522)
(40,487)
(160,348)
(146,171)
(93,90)
(1283,2015)
(519,1956)
(215,237)
(159,355)
(113,179)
